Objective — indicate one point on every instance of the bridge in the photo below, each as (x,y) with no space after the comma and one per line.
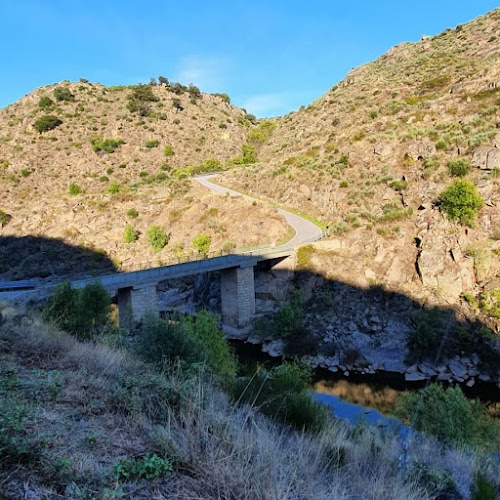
(136,291)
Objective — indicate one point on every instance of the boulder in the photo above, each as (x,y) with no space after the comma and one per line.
(457,368)
(486,157)
(419,150)
(414,377)
(383,149)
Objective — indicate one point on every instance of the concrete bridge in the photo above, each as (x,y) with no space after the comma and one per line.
(136,291)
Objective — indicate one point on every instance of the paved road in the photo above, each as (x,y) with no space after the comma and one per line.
(305,231)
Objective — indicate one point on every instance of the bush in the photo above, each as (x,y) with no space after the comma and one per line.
(114,188)
(74,189)
(5,218)
(450,416)
(482,489)
(63,94)
(168,150)
(201,244)
(425,335)
(189,340)
(130,234)
(82,312)
(459,167)
(262,133)
(149,467)
(45,102)
(461,202)
(290,318)
(105,145)
(157,237)
(282,393)
(132,213)
(46,123)
(224,97)
(152,144)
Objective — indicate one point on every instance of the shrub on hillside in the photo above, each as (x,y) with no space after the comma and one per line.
(290,319)
(82,312)
(168,150)
(63,94)
(152,144)
(105,145)
(132,213)
(450,416)
(45,102)
(188,340)
(46,123)
(282,393)
(157,237)
(130,235)
(74,189)
(461,202)
(224,97)
(459,167)
(201,244)
(5,218)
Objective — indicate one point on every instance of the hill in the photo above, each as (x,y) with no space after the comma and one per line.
(81,162)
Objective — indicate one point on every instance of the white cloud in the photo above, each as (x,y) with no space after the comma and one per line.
(208,73)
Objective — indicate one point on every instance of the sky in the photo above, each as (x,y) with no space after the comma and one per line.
(270,56)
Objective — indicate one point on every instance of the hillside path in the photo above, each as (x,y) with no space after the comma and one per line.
(305,230)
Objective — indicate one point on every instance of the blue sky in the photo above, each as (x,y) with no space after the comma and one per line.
(271,57)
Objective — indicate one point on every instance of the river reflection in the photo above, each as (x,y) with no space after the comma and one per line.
(381,398)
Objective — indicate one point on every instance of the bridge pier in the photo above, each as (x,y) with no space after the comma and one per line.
(238,295)
(134,302)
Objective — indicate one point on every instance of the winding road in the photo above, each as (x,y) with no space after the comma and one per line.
(305,230)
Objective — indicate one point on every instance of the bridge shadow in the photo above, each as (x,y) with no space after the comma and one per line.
(29,256)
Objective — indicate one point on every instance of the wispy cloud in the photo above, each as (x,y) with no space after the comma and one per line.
(208,73)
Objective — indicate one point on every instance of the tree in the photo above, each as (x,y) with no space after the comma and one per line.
(461,202)
(45,102)
(163,81)
(63,94)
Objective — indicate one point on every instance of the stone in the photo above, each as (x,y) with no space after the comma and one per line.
(414,377)
(383,149)
(421,149)
(470,383)
(486,157)
(457,369)
(346,373)
(446,377)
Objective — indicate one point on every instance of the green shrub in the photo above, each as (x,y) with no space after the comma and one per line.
(188,340)
(152,144)
(63,94)
(130,234)
(103,178)
(290,319)
(46,123)
(114,188)
(82,312)
(459,167)
(74,189)
(450,416)
(132,213)
(168,150)
(201,243)
(105,145)
(262,133)
(482,489)
(224,97)
(45,102)
(149,467)
(282,393)
(425,335)
(461,202)
(157,237)
(438,483)
(5,218)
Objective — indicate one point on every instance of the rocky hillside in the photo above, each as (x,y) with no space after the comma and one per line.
(373,155)
(80,162)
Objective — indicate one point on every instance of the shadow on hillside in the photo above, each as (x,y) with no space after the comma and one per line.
(362,327)
(35,257)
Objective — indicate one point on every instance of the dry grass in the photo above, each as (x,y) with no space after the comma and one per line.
(88,406)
